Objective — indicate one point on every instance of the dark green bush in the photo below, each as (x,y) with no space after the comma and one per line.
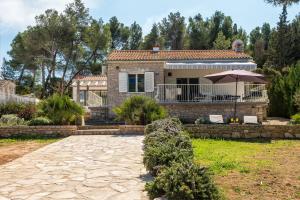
(161,149)
(28,111)
(61,110)
(25,111)
(139,110)
(183,181)
(40,121)
(11,108)
(169,125)
(202,120)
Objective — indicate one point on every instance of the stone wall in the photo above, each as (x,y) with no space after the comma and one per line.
(244,131)
(48,131)
(115,98)
(189,112)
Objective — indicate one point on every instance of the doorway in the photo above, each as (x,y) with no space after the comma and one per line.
(188,89)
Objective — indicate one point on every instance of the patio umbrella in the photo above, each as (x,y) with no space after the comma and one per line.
(236,76)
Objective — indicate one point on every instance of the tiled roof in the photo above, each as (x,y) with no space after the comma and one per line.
(165,55)
(92,78)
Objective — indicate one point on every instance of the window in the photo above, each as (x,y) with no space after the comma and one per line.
(136,83)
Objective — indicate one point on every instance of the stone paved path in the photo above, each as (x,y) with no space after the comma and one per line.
(78,167)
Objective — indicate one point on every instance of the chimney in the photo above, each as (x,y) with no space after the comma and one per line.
(238,46)
(155,49)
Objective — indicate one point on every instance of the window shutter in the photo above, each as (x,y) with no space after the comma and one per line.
(149,81)
(123,82)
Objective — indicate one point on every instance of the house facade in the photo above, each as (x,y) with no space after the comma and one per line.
(7,87)
(175,79)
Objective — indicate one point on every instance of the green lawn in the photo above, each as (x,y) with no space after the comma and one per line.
(244,156)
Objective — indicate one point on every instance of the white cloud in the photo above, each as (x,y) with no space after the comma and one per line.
(18,14)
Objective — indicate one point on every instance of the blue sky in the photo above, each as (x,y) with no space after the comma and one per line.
(16,15)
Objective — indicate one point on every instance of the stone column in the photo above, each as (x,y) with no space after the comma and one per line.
(78,92)
(87,94)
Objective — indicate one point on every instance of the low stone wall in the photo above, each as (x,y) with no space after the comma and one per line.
(189,112)
(244,131)
(47,131)
(131,129)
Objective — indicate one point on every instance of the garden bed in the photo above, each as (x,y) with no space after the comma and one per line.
(252,169)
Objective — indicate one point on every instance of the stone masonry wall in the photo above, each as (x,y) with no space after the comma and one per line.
(189,112)
(115,98)
(244,131)
(48,131)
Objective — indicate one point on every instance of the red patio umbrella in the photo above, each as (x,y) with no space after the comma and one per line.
(236,76)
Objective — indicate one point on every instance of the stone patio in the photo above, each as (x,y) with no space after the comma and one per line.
(78,167)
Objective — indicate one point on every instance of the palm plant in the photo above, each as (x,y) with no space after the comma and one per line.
(61,110)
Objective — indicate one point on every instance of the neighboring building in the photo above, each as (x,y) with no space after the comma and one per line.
(175,80)
(8,93)
(7,87)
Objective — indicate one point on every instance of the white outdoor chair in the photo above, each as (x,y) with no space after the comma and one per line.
(250,120)
(216,119)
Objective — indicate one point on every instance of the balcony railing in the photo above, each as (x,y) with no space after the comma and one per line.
(205,93)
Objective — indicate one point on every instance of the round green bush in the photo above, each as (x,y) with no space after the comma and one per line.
(161,149)
(11,120)
(183,181)
(169,125)
(40,121)
(139,110)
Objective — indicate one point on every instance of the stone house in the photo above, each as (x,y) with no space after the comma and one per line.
(175,79)
(7,87)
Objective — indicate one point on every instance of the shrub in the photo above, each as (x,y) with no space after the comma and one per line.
(202,120)
(297,99)
(295,119)
(161,149)
(39,121)
(139,110)
(183,181)
(169,125)
(61,110)
(11,108)
(11,120)
(28,112)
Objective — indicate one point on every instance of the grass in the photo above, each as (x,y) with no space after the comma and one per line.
(222,156)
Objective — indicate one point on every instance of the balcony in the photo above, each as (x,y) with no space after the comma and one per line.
(211,93)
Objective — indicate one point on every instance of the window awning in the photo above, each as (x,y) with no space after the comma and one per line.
(249,66)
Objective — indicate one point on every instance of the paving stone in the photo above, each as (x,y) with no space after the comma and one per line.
(78,167)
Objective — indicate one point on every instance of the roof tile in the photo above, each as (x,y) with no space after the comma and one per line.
(143,55)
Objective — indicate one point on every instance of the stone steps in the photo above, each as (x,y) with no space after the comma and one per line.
(99,132)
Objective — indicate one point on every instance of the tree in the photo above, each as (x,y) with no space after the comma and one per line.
(7,72)
(266,33)
(282,2)
(119,34)
(198,33)
(215,22)
(227,27)
(135,36)
(152,39)
(221,42)
(172,30)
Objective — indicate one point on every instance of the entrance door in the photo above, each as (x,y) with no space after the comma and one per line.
(187,88)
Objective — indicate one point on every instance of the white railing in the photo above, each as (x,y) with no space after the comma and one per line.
(94,100)
(6,98)
(203,93)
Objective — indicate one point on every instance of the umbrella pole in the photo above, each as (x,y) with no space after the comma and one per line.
(235,102)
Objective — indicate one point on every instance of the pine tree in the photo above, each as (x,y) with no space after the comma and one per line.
(221,42)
